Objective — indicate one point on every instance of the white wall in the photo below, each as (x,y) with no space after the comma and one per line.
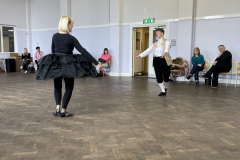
(173,34)
(212,33)
(90,12)
(185,9)
(21,40)
(94,43)
(137,10)
(217,7)
(13,12)
(45,14)
(42,39)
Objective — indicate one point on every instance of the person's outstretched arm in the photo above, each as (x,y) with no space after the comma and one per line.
(84,52)
(145,53)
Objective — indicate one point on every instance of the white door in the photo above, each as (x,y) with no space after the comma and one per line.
(151,72)
(137,49)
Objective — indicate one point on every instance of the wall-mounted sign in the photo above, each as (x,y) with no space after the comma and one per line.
(173,42)
(149,20)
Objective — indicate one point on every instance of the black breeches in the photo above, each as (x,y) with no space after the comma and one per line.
(162,70)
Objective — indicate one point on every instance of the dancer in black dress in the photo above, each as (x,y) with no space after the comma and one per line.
(63,64)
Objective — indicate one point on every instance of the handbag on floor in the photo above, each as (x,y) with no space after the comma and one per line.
(31,69)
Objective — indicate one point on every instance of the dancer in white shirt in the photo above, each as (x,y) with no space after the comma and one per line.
(161,61)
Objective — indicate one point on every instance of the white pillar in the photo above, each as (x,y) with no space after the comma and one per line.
(29,26)
(186,29)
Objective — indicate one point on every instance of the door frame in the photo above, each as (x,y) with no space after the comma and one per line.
(150,41)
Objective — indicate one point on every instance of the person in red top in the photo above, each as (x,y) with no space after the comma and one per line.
(105,56)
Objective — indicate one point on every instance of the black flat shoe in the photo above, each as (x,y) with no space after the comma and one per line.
(197,84)
(165,90)
(66,114)
(162,94)
(57,113)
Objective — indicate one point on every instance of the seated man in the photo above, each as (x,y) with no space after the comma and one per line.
(38,55)
(223,63)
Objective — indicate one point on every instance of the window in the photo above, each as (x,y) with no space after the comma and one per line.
(138,40)
(7,39)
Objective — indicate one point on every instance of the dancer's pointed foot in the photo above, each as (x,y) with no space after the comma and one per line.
(162,94)
(57,113)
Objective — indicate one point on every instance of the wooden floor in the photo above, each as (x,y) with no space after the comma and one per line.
(118,118)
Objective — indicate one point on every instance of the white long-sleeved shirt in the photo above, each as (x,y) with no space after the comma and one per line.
(158,50)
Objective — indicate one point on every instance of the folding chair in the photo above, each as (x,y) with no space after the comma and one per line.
(176,71)
(237,74)
(227,73)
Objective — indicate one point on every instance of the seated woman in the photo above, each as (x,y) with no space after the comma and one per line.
(104,59)
(198,63)
(25,60)
(183,70)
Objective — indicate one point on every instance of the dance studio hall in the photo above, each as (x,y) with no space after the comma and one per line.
(119,80)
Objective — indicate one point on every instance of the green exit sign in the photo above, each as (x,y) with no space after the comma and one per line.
(149,20)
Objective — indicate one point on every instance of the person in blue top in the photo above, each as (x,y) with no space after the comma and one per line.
(198,64)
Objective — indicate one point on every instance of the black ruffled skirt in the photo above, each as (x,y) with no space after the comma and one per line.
(64,65)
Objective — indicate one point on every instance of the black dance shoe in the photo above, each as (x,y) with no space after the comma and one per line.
(162,94)
(57,113)
(197,84)
(66,114)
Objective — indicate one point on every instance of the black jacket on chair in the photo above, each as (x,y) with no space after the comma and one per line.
(225,60)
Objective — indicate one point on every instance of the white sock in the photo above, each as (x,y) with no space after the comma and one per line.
(162,87)
(165,83)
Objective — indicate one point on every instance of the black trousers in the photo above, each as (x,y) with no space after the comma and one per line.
(37,64)
(69,84)
(162,70)
(25,64)
(215,70)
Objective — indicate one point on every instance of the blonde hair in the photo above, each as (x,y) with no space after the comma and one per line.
(64,22)
(24,51)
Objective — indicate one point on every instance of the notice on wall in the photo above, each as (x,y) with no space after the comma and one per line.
(173,42)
